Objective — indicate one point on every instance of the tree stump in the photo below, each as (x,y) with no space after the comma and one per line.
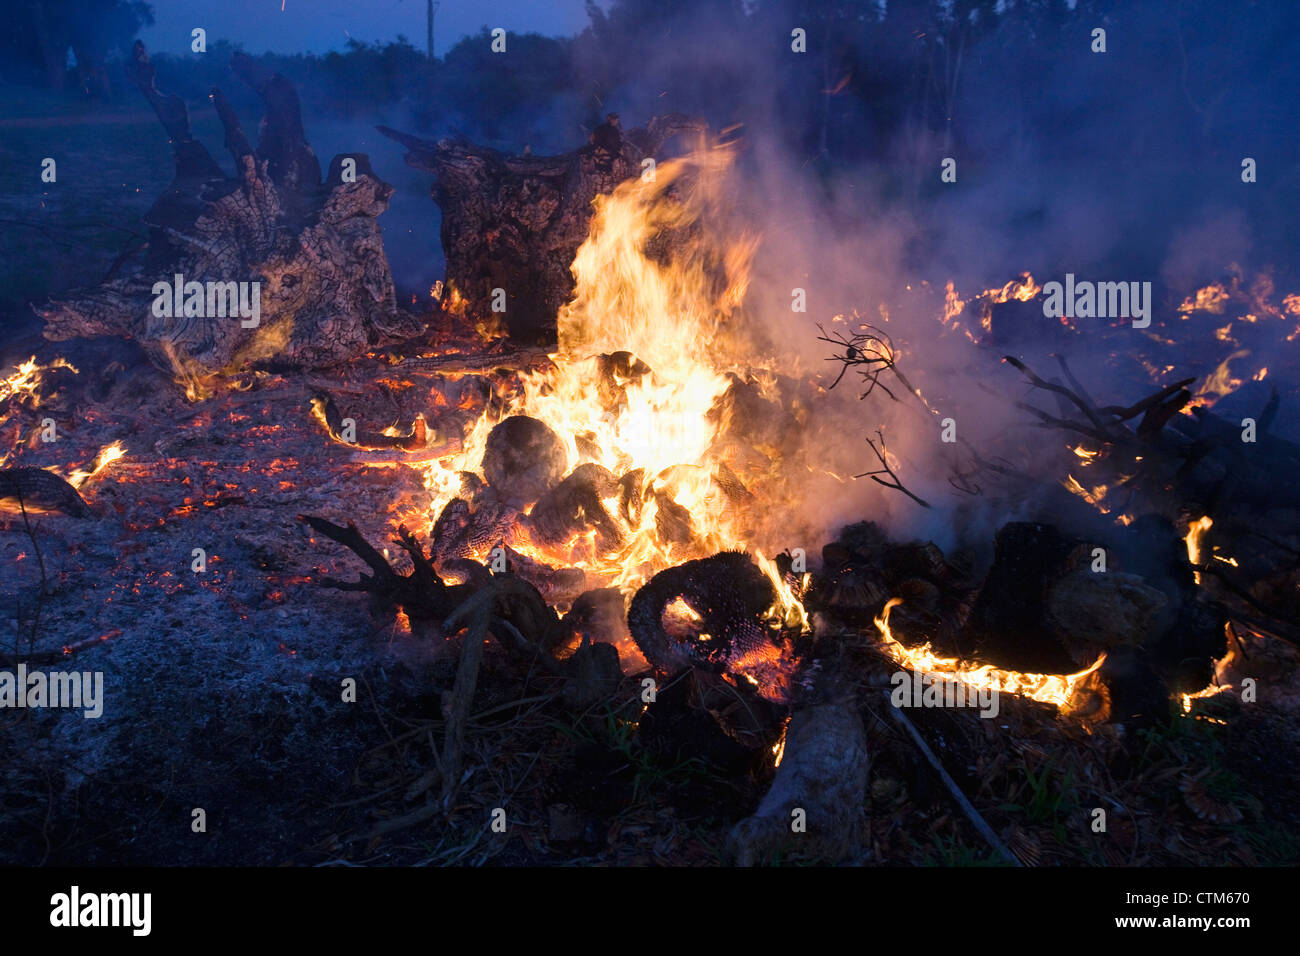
(515,222)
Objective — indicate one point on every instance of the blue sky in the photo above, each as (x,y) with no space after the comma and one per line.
(320,25)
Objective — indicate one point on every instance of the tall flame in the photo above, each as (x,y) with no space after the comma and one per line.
(670,310)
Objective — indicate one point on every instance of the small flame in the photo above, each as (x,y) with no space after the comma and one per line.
(1222,669)
(1222,382)
(1094,497)
(27,378)
(1195,536)
(952,303)
(107,455)
(1211,299)
(787,611)
(1021,289)
(778,748)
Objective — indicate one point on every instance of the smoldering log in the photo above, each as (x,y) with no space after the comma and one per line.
(574,505)
(516,222)
(523,459)
(463,527)
(38,491)
(1200,466)
(701,612)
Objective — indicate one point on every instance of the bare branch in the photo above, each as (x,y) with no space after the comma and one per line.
(884,469)
(869,352)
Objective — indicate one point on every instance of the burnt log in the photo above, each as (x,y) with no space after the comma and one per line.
(464,528)
(824,775)
(598,616)
(574,505)
(310,250)
(556,585)
(594,674)
(38,491)
(684,719)
(516,222)
(1043,609)
(710,614)
(523,460)
(1006,624)
(1184,468)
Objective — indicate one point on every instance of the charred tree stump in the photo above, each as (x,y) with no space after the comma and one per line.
(516,222)
(313,249)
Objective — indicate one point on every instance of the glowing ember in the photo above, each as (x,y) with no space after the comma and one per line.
(1055,689)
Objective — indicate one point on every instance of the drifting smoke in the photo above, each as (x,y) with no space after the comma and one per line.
(1059,169)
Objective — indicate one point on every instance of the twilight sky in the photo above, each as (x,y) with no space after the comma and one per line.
(320,25)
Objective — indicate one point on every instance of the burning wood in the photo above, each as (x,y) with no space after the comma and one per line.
(40,491)
(515,222)
(578,535)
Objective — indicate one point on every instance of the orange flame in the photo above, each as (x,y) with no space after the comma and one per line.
(1195,535)
(107,455)
(673,317)
(1055,689)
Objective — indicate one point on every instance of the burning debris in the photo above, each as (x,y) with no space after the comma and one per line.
(600,550)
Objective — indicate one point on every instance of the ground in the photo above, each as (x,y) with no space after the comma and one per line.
(224,688)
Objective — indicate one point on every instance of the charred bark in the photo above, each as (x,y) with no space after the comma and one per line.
(314,248)
(516,222)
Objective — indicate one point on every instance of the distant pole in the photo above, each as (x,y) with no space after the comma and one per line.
(432,8)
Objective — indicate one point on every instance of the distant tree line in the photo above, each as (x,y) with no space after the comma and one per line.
(897,79)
